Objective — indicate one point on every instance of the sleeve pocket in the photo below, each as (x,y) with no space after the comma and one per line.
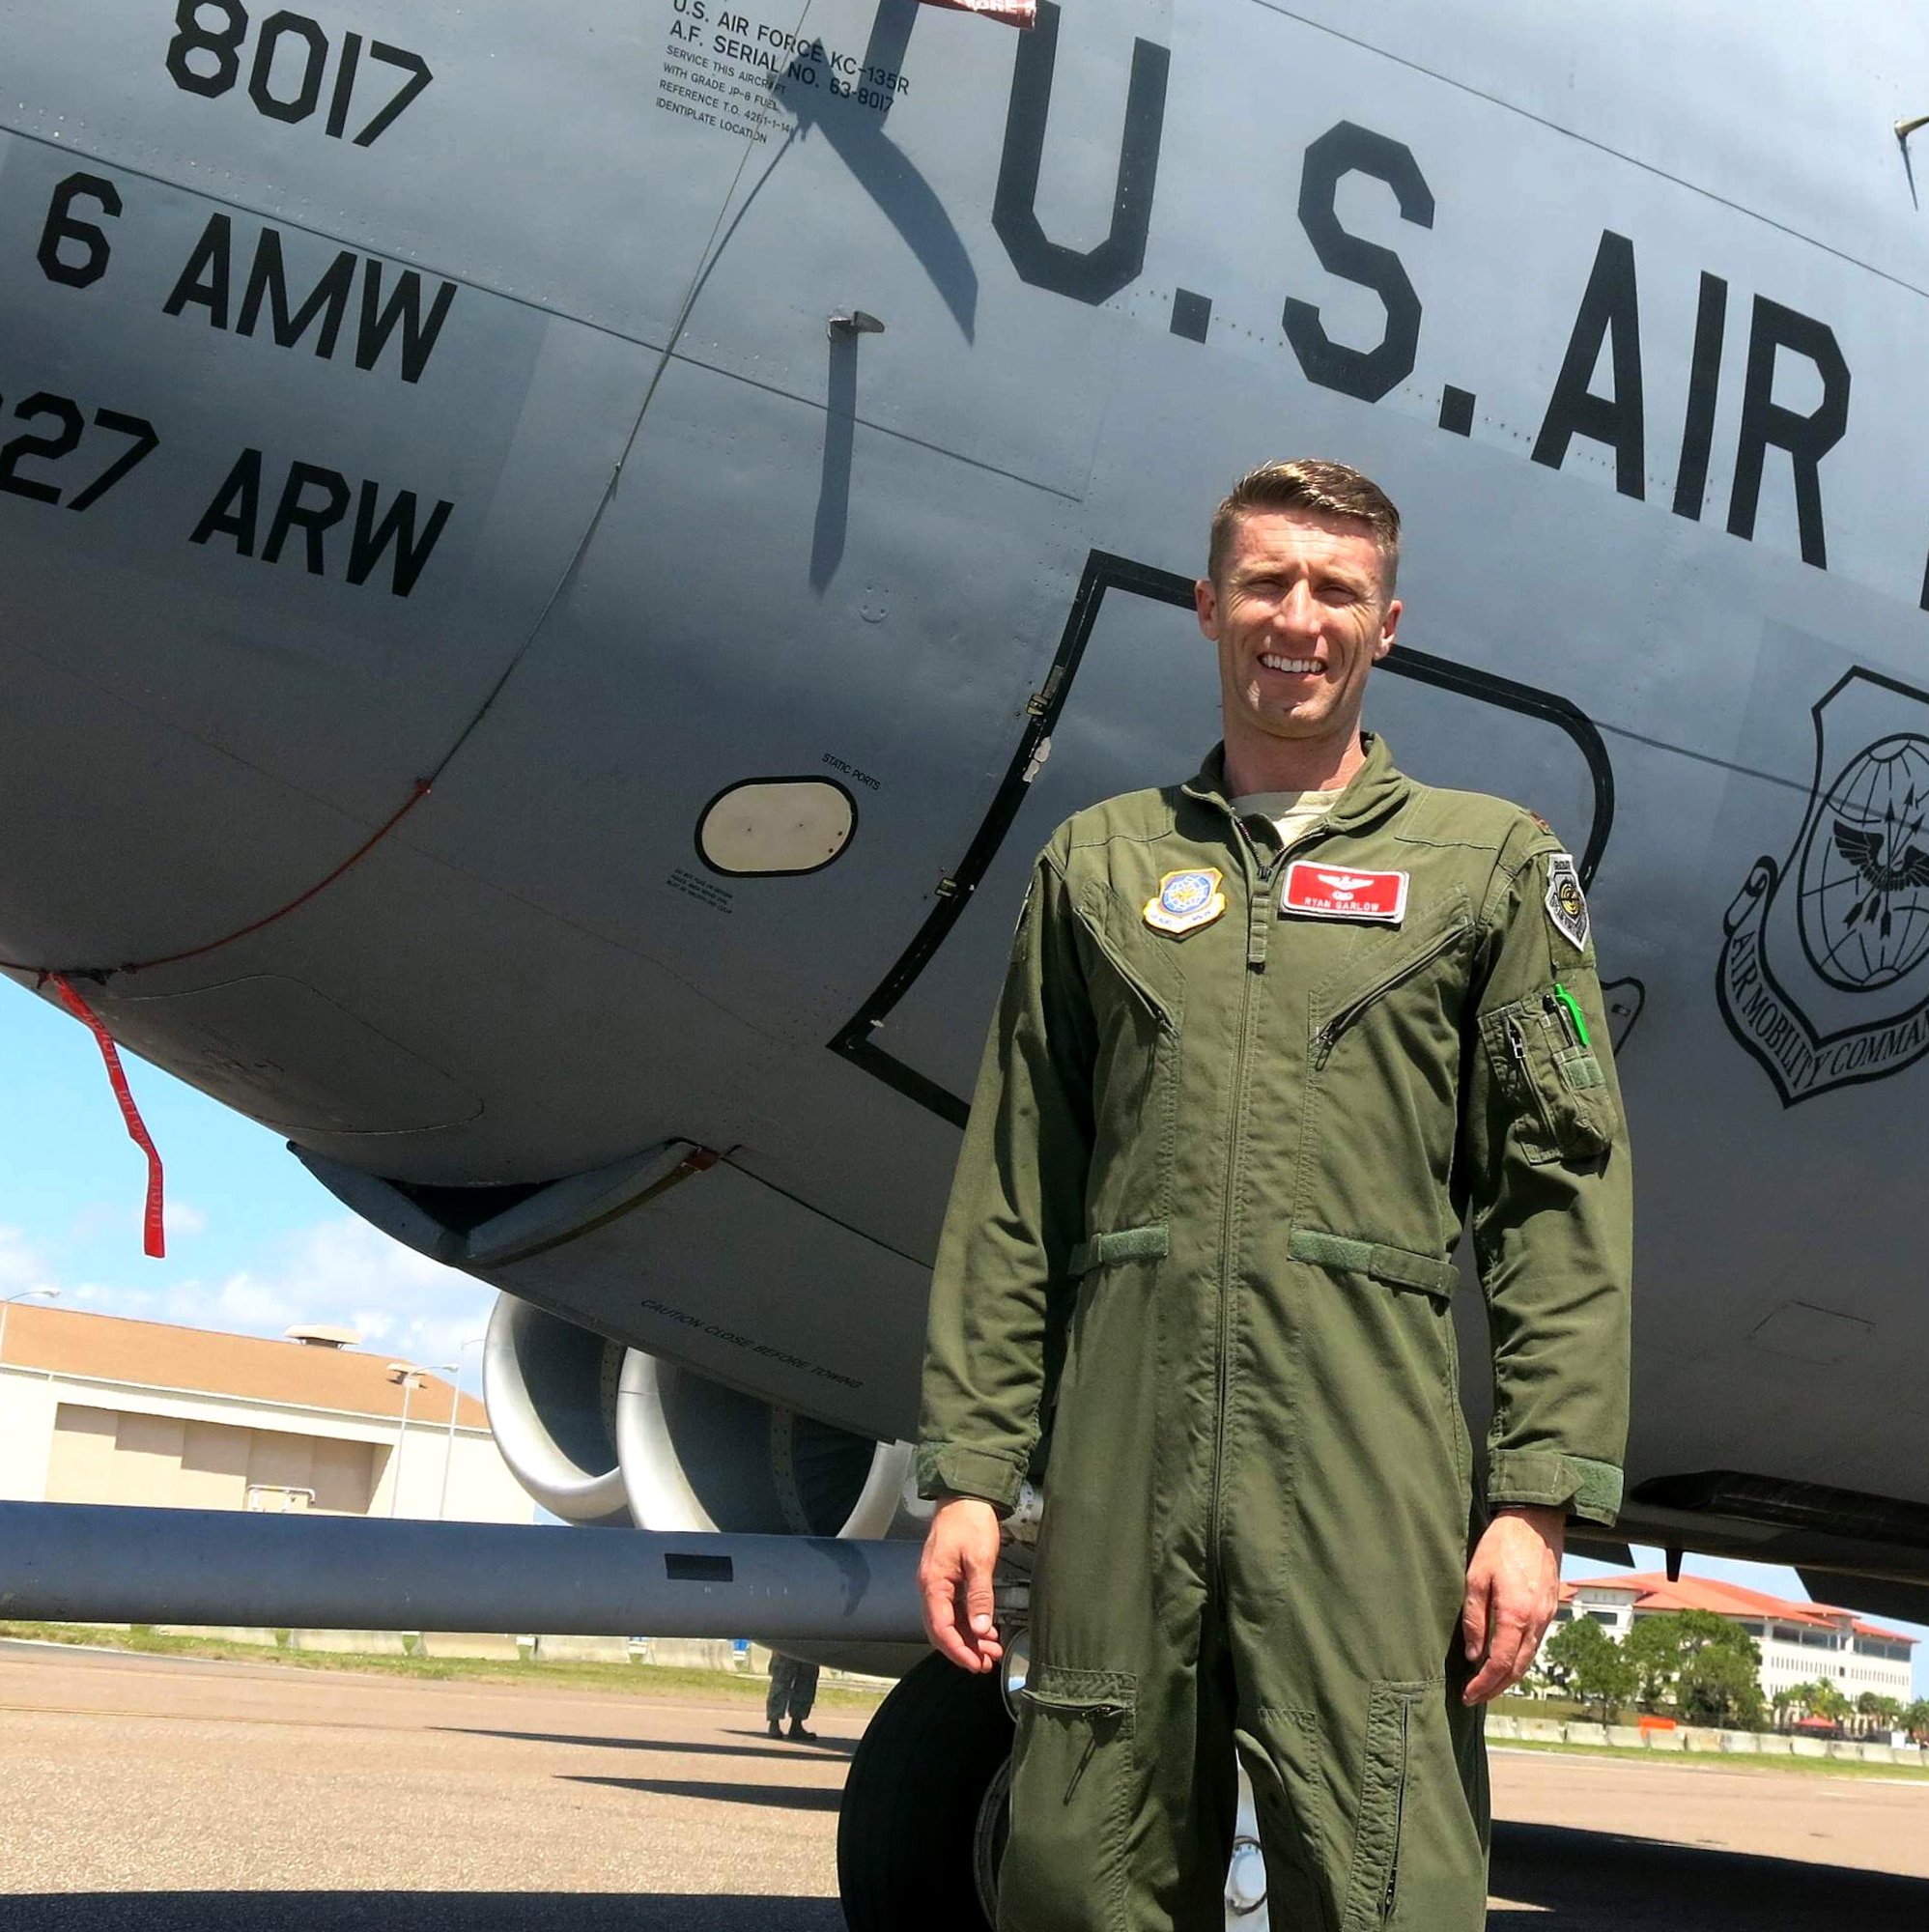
(1555,1085)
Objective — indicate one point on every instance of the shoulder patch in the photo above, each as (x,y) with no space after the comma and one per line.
(1567,904)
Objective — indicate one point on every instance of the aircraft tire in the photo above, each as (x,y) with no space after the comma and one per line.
(915,1808)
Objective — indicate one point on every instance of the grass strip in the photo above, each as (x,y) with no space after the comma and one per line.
(637,1679)
(650,1680)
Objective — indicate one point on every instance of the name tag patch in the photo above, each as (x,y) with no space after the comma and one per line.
(1186,900)
(1342,892)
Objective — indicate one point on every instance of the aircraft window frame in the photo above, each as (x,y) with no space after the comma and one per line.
(763,781)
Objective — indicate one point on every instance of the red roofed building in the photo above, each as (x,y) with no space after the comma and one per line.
(1800,1643)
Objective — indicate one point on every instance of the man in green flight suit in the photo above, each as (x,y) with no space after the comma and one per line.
(1268,1039)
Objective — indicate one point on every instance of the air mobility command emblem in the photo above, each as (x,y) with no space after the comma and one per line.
(1567,904)
(1186,901)
(1824,975)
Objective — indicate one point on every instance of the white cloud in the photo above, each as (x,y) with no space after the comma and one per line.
(182,1219)
(340,1271)
(21,1264)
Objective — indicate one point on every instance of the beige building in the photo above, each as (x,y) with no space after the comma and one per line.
(97,1409)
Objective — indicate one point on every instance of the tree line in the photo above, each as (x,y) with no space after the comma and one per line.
(1701,1668)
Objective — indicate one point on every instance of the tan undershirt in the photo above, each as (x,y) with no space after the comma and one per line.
(1295,812)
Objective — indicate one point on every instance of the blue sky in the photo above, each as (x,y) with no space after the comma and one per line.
(255,1244)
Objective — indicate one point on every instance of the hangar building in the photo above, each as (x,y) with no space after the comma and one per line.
(97,1409)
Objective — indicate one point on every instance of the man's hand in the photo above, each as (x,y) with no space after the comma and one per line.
(1514,1588)
(955,1578)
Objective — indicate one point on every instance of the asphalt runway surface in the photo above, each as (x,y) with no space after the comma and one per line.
(146,1794)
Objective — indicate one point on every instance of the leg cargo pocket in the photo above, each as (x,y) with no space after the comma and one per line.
(1284,1766)
(1373,1889)
(1073,1773)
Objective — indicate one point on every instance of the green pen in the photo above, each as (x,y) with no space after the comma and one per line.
(1568,1000)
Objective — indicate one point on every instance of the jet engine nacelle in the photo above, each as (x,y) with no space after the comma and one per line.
(601,1433)
(551,1390)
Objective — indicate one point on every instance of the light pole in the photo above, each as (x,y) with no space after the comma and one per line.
(455,1403)
(25,1295)
(407,1375)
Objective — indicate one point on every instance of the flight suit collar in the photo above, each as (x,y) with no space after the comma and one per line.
(1374,791)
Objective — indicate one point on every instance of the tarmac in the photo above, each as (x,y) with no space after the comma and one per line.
(164,1794)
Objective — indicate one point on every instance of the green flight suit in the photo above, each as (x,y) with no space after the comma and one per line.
(1198,1249)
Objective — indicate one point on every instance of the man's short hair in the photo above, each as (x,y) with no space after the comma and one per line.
(1332,489)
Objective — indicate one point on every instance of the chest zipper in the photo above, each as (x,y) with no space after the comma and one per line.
(1235,1143)
(1324,1040)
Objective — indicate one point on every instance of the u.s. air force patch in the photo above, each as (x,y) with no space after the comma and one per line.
(1567,906)
(1186,901)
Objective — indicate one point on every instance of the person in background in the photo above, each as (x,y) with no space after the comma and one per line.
(793,1690)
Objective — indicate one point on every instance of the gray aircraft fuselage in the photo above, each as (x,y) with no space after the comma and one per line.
(587,413)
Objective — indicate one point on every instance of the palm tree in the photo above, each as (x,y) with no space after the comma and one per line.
(1817,1699)
(1883,1714)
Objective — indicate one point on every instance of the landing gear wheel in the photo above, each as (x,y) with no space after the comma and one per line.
(990,1837)
(922,1825)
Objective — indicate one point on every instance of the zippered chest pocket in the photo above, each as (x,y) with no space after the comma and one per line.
(1117,976)
(1137,1011)
(1336,1014)
(1552,1078)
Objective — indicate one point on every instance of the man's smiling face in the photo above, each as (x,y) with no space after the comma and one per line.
(1301,616)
